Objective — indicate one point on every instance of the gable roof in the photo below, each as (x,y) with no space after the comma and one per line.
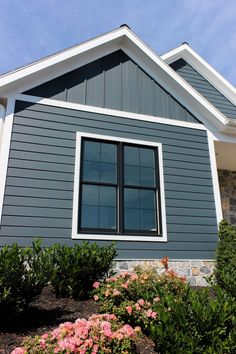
(122,38)
(203,68)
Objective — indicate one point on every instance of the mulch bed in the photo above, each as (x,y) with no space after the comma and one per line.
(46,313)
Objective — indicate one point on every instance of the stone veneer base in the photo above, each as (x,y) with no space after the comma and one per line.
(195,270)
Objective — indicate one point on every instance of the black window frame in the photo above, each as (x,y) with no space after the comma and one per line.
(120,186)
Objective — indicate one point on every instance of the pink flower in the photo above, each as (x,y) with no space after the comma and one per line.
(125,285)
(107,293)
(138,307)
(141,302)
(45,336)
(156,299)
(43,344)
(19,350)
(116,292)
(96,284)
(96,297)
(151,314)
(129,309)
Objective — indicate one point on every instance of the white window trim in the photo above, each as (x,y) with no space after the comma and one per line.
(75,234)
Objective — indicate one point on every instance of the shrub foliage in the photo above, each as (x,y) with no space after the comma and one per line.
(21,277)
(225,271)
(73,270)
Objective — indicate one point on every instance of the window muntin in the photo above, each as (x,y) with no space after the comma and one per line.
(119,188)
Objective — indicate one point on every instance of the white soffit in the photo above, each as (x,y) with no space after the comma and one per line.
(225,155)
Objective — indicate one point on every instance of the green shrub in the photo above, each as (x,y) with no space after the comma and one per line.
(22,277)
(73,270)
(225,272)
(131,296)
(195,323)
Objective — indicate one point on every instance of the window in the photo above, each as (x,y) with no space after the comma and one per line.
(118,189)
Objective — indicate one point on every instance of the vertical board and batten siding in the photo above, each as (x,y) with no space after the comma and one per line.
(114,81)
(203,86)
(39,185)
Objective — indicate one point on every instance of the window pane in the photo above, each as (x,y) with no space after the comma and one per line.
(89,217)
(107,218)
(139,209)
(92,150)
(91,171)
(90,195)
(99,162)
(147,177)
(98,207)
(139,166)
(132,219)
(108,173)
(108,152)
(147,157)
(131,155)
(147,199)
(132,175)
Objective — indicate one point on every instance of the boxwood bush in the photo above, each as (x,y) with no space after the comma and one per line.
(225,271)
(22,277)
(73,270)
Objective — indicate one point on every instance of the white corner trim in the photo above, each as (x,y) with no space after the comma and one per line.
(5,148)
(75,234)
(108,111)
(206,70)
(2,117)
(216,188)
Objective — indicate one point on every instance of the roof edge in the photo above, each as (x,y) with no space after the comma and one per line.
(185,52)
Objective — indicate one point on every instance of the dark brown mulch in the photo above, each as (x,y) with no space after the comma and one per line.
(46,313)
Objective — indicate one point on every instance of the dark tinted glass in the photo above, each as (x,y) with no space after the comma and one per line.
(98,207)
(139,166)
(99,162)
(139,209)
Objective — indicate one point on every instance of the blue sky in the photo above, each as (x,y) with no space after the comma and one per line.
(32,29)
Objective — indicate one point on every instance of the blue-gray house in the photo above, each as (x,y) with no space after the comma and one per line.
(109,141)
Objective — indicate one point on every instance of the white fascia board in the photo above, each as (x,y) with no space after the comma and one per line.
(71,54)
(171,81)
(205,69)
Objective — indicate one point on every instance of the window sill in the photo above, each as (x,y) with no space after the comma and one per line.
(119,237)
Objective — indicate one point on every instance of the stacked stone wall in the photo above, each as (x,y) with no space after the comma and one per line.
(195,271)
(227,182)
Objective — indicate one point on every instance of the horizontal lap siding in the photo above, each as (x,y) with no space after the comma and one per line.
(39,187)
(208,91)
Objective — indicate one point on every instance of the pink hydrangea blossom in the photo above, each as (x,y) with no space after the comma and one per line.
(96,284)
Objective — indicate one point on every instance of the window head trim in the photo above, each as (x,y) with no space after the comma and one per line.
(76,194)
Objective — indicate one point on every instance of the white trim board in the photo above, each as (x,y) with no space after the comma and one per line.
(5,148)
(108,111)
(206,70)
(126,39)
(215,181)
(83,236)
